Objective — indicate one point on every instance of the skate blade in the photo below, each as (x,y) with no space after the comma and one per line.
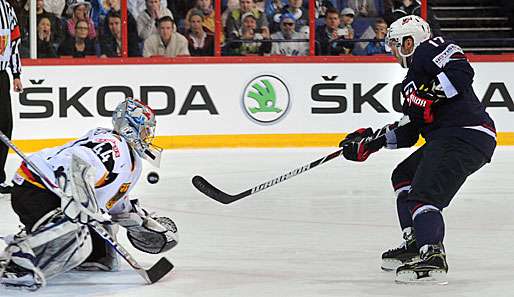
(436,277)
(392,264)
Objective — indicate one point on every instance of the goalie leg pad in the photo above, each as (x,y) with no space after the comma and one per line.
(103,257)
(155,236)
(54,247)
(18,269)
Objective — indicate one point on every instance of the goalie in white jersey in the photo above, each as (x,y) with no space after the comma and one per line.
(55,239)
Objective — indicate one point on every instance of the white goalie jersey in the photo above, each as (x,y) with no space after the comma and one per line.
(117,167)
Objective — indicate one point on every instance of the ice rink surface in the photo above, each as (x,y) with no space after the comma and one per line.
(318,234)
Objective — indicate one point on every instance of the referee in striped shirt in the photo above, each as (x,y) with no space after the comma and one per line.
(10,38)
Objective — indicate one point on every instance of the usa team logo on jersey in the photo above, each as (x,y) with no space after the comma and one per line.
(266,99)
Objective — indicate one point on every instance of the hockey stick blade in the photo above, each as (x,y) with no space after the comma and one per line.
(158,270)
(208,189)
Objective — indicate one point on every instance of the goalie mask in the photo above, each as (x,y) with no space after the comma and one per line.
(409,26)
(135,122)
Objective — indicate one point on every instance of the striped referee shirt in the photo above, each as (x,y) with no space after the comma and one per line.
(10,38)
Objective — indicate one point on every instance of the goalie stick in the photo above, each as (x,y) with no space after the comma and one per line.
(151,275)
(211,191)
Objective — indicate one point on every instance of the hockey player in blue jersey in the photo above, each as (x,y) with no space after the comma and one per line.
(441,106)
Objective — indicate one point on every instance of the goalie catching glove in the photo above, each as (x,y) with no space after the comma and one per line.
(147,233)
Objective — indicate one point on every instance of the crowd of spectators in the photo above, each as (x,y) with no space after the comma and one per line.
(80,28)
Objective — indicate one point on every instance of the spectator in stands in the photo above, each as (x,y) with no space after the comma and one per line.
(407,7)
(287,32)
(45,38)
(148,19)
(179,8)
(111,40)
(113,6)
(249,32)
(272,7)
(201,43)
(55,25)
(168,43)
(259,4)
(230,6)
(330,37)
(413,7)
(347,17)
(377,47)
(209,21)
(80,45)
(235,19)
(55,7)
(136,7)
(79,10)
(321,8)
(389,7)
(97,11)
(295,7)
(363,8)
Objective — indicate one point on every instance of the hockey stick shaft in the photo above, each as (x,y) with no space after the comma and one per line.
(151,275)
(208,189)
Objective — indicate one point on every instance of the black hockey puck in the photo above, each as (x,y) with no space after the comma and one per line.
(152,177)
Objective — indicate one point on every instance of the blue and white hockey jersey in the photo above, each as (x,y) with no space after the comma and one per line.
(461,115)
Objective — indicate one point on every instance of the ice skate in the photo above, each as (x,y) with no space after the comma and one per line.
(405,253)
(5,188)
(431,269)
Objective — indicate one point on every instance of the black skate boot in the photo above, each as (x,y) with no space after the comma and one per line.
(405,253)
(5,188)
(431,268)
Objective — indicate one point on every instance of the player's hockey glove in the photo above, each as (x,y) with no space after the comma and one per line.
(434,87)
(146,232)
(418,106)
(359,145)
(356,136)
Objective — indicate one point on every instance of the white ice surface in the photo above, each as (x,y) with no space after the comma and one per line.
(318,234)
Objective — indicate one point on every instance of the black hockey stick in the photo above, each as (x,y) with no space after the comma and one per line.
(151,275)
(208,189)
